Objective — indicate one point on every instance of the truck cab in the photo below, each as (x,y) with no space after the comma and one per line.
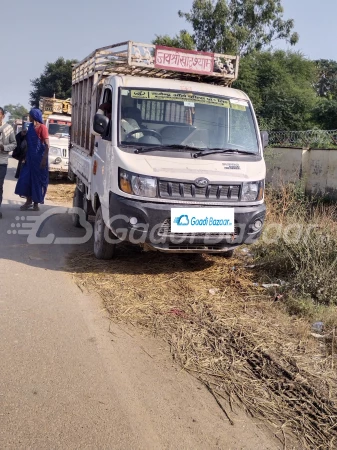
(172,158)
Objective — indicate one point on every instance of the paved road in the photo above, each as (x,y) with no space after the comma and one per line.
(71,380)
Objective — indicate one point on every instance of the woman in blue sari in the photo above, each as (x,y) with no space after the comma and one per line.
(34,176)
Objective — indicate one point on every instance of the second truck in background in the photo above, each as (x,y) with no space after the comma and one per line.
(57,117)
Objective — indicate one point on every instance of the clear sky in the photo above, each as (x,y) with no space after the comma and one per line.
(40,32)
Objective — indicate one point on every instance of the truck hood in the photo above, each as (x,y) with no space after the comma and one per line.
(190,169)
(58,142)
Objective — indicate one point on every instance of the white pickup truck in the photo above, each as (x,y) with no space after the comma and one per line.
(57,116)
(164,152)
(59,135)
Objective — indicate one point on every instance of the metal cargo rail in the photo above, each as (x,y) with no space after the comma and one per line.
(137,59)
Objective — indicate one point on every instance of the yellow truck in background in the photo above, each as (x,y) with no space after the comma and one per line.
(57,118)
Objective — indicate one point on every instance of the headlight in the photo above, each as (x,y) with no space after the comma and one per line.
(252,192)
(58,160)
(55,151)
(139,185)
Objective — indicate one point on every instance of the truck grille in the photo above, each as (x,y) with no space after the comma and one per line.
(165,230)
(188,191)
(65,153)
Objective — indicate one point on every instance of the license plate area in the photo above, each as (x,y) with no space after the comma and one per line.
(202,220)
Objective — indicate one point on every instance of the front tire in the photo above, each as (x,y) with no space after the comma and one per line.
(102,248)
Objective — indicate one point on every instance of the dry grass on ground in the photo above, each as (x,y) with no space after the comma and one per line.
(228,333)
(60,193)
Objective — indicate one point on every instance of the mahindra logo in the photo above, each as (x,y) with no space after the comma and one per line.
(201,182)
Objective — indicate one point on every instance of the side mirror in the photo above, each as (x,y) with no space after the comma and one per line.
(101,124)
(264,138)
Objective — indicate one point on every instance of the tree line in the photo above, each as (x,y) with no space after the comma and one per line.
(54,80)
(288,91)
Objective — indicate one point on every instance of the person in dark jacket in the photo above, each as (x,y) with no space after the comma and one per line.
(21,145)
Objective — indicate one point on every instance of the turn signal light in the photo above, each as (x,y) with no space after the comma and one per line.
(94,169)
(261,191)
(125,186)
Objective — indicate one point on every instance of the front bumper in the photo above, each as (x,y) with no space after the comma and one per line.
(153,227)
(59,168)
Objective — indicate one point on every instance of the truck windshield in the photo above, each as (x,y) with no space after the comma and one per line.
(58,128)
(169,118)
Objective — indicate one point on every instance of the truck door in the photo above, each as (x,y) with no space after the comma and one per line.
(102,155)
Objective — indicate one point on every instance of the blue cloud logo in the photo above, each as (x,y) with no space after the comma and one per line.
(182,220)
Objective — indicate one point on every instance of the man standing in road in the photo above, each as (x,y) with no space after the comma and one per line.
(7,144)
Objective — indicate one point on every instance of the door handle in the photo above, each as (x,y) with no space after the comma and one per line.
(96,145)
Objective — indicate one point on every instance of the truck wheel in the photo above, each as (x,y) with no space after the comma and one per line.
(227,254)
(77,203)
(102,248)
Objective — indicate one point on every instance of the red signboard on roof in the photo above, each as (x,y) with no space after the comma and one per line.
(177,59)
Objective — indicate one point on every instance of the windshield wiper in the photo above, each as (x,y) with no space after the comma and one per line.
(166,147)
(213,151)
